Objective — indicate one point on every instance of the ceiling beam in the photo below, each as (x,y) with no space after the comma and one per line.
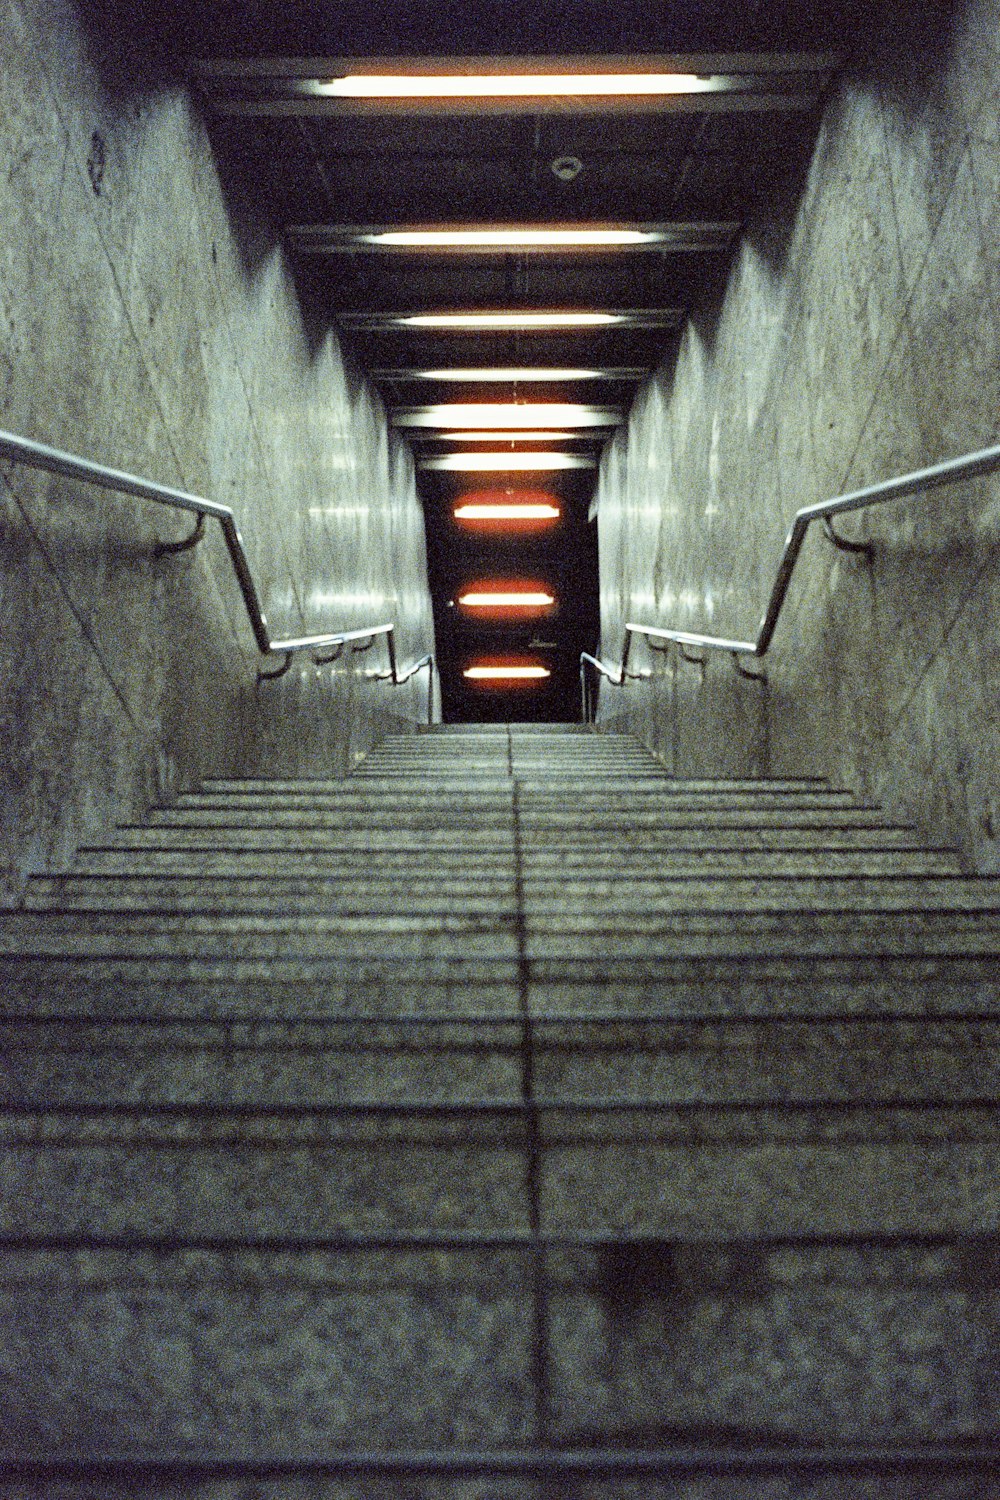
(274,87)
(396,322)
(684,236)
(506,376)
(446,416)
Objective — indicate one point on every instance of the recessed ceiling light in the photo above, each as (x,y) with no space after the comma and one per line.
(499,463)
(509,437)
(500,321)
(512,85)
(678,236)
(513,237)
(508,372)
(506,599)
(507,414)
(501,673)
(516,321)
(501,511)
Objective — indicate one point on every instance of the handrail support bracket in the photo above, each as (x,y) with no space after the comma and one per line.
(163,549)
(263,676)
(745,672)
(335,655)
(833,535)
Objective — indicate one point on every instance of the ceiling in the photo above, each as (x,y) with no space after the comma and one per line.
(684,170)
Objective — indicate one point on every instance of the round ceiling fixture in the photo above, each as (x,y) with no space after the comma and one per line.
(566,167)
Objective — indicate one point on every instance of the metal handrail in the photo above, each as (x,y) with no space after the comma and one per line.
(41,456)
(968,466)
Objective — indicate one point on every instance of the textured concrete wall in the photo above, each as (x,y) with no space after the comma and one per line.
(855,342)
(148,320)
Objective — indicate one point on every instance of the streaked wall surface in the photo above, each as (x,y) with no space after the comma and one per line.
(148,321)
(858,342)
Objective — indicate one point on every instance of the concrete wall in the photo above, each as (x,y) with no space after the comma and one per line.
(857,341)
(148,320)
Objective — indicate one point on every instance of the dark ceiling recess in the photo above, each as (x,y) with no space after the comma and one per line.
(370,166)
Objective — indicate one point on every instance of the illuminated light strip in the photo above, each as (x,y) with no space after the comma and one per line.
(512,85)
(510,437)
(503,414)
(511,320)
(520,600)
(525,237)
(483,463)
(500,512)
(679,236)
(504,674)
(502,373)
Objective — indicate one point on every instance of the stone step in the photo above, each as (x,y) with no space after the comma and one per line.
(594,851)
(531,818)
(352,865)
(761,1151)
(515,726)
(701,1171)
(532,798)
(656,988)
(613,767)
(779,1328)
(566,900)
(90,1065)
(863,932)
(645,782)
(491,842)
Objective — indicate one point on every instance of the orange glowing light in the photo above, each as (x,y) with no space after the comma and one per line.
(514,508)
(506,511)
(506,598)
(505,674)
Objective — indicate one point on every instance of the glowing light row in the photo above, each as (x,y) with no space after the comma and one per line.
(511,85)
(503,512)
(500,463)
(522,237)
(505,674)
(541,436)
(513,320)
(487,373)
(514,599)
(518,321)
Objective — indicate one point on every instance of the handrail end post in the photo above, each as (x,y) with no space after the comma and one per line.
(626,651)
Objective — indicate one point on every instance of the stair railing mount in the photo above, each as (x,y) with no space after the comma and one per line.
(55,461)
(949,471)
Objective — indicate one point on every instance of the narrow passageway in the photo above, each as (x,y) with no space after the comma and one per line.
(510,1109)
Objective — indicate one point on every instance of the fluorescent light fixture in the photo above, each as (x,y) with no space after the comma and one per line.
(506,321)
(504,674)
(500,463)
(514,237)
(509,372)
(512,85)
(506,414)
(501,511)
(513,321)
(679,236)
(510,599)
(508,437)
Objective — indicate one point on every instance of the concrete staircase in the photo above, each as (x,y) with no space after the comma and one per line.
(508,1120)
